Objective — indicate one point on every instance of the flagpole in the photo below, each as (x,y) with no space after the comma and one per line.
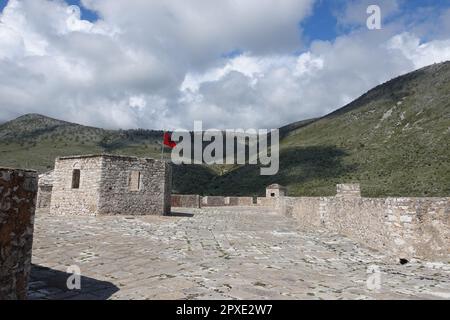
(162,147)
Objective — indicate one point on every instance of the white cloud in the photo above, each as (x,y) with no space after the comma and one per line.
(329,75)
(163,64)
(421,54)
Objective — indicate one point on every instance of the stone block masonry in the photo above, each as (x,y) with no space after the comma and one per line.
(404,228)
(213,201)
(196,201)
(18,190)
(186,201)
(44,197)
(267,202)
(239,201)
(45,186)
(111,185)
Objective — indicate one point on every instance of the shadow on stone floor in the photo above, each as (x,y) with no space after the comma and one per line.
(180,214)
(50,284)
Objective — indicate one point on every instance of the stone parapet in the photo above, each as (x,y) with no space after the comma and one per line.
(186,201)
(404,228)
(18,189)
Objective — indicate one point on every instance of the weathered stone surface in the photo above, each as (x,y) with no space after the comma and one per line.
(401,227)
(239,201)
(218,253)
(45,186)
(196,201)
(111,185)
(18,190)
(267,202)
(186,201)
(210,201)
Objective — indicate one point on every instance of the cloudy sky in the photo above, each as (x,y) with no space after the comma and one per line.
(233,64)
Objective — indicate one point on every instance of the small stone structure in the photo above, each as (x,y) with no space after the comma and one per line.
(45,186)
(276,191)
(18,190)
(111,185)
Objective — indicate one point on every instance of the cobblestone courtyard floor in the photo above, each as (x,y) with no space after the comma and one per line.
(215,253)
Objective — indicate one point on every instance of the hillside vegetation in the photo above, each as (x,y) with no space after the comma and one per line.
(394,140)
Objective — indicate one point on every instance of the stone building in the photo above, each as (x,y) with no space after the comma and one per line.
(17,208)
(276,191)
(45,186)
(110,185)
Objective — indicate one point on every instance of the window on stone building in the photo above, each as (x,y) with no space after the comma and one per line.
(135,181)
(76,179)
(272,194)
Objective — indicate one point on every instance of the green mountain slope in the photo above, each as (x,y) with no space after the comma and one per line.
(34,141)
(394,140)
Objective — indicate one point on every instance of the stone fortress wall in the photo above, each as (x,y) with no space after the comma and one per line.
(186,200)
(197,201)
(213,201)
(239,201)
(401,228)
(18,190)
(404,228)
(106,184)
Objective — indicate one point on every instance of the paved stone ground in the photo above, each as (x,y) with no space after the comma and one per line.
(220,253)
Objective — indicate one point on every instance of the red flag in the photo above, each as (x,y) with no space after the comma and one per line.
(168,140)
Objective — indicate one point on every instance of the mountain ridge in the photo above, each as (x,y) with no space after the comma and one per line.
(393,140)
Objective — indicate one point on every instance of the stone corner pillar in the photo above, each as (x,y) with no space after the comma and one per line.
(18,189)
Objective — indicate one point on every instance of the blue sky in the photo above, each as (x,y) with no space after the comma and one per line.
(323,23)
(85,14)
